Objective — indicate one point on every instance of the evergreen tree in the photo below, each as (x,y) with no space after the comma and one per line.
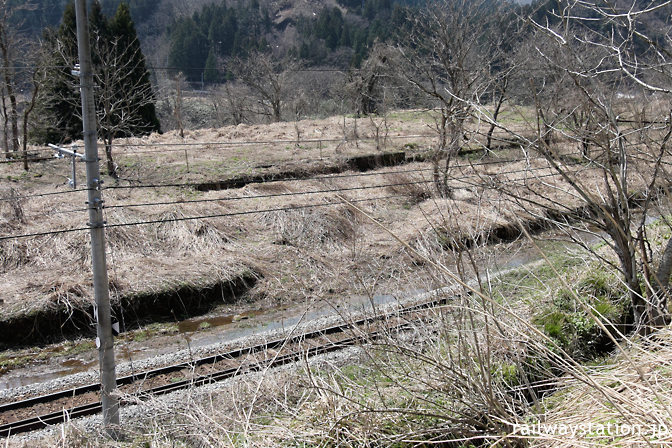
(122,28)
(60,108)
(188,49)
(124,98)
(211,72)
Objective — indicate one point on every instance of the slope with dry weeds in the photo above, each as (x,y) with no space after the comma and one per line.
(174,249)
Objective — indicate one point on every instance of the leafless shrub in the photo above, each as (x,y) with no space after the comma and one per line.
(408,186)
(314,227)
(13,202)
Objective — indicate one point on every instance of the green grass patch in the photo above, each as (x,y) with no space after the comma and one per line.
(569,323)
(13,359)
(149,331)
(533,283)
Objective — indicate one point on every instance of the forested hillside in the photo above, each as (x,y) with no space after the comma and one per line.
(197,37)
(334,34)
(40,14)
(288,58)
(200,34)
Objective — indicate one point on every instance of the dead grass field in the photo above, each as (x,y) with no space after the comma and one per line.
(300,244)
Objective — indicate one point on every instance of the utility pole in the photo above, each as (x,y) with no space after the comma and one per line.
(104,341)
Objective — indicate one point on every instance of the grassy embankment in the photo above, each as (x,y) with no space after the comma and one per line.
(475,374)
(167,264)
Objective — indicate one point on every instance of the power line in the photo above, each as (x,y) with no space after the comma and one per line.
(242,143)
(270,195)
(271,180)
(192,185)
(300,207)
(323,191)
(39,159)
(177,69)
(248,212)
(190,218)
(323,177)
(289,179)
(38,195)
(56,212)
(160,68)
(269,142)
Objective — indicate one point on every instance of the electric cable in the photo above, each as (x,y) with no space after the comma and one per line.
(191,218)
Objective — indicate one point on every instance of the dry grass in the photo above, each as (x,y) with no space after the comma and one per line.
(469,373)
(299,253)
(626,403)
(466,375)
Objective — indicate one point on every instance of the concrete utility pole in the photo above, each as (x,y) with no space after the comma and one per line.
(104,341)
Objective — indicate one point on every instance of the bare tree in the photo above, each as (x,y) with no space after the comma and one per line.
(606,168)
(178,101)
(9,46)
(5,120)
(447,58)
(237,102)
(37,78)
(121,95)
(365,86)
(267,79)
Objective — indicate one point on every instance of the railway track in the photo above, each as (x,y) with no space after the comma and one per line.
(41,411)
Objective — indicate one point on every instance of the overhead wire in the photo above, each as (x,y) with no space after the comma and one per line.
(161,68)
(39,195)
(322,191)
(191,218)
(181,145)
(269,195)
(300,193)
(194,184)
(271,179)
(268,210)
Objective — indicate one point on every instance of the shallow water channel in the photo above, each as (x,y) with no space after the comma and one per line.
(197,332)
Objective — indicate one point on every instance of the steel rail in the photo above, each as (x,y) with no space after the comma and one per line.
(42,421)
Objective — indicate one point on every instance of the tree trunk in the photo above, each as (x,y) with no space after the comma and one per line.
(25,141)
(495,114)
(111,166)
(14,115)
(659,315)
(26,116)
(456,131)
(5,125)
(276,110)
(648,314)
(438,155)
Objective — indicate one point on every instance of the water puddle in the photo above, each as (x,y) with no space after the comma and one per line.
(197,332)
(281,319)
(20,377)
(203,323)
